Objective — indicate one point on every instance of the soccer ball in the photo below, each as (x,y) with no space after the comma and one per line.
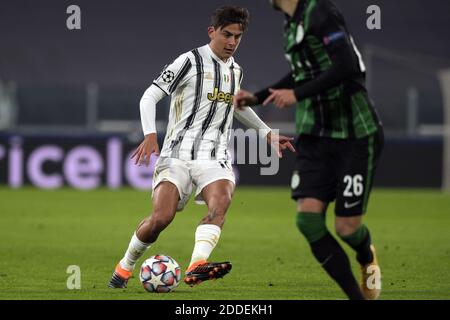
(160,273)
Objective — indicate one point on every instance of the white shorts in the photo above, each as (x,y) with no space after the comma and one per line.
(187,175)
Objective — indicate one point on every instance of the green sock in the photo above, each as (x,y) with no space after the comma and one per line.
(328,252)
(312,225)
(360,241)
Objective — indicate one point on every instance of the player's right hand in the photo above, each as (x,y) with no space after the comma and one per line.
(243,99)
(145,150)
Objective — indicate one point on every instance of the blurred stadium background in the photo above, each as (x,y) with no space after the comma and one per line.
(75,87)
(69,99)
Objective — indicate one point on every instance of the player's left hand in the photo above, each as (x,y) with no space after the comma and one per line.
(281,98)
(280,143)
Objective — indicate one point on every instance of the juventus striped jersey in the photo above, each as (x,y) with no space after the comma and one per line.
(202,88)
(328,74)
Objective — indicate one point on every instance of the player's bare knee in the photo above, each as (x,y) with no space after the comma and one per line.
(311,205)
(346,226)
(220,202)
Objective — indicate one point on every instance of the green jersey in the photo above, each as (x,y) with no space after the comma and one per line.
(328,74)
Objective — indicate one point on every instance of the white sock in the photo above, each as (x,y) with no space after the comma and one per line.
(135,250)
(206,238)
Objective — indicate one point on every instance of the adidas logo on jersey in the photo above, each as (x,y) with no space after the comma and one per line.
(220,96)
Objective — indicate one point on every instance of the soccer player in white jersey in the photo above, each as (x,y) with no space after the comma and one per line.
(201,83)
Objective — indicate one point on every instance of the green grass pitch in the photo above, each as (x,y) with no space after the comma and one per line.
(43,232)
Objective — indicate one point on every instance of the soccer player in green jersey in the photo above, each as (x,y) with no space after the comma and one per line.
(340,137)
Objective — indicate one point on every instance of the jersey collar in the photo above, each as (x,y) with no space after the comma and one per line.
(215,57)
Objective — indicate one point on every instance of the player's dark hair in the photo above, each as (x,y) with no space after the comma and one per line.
(226,15)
